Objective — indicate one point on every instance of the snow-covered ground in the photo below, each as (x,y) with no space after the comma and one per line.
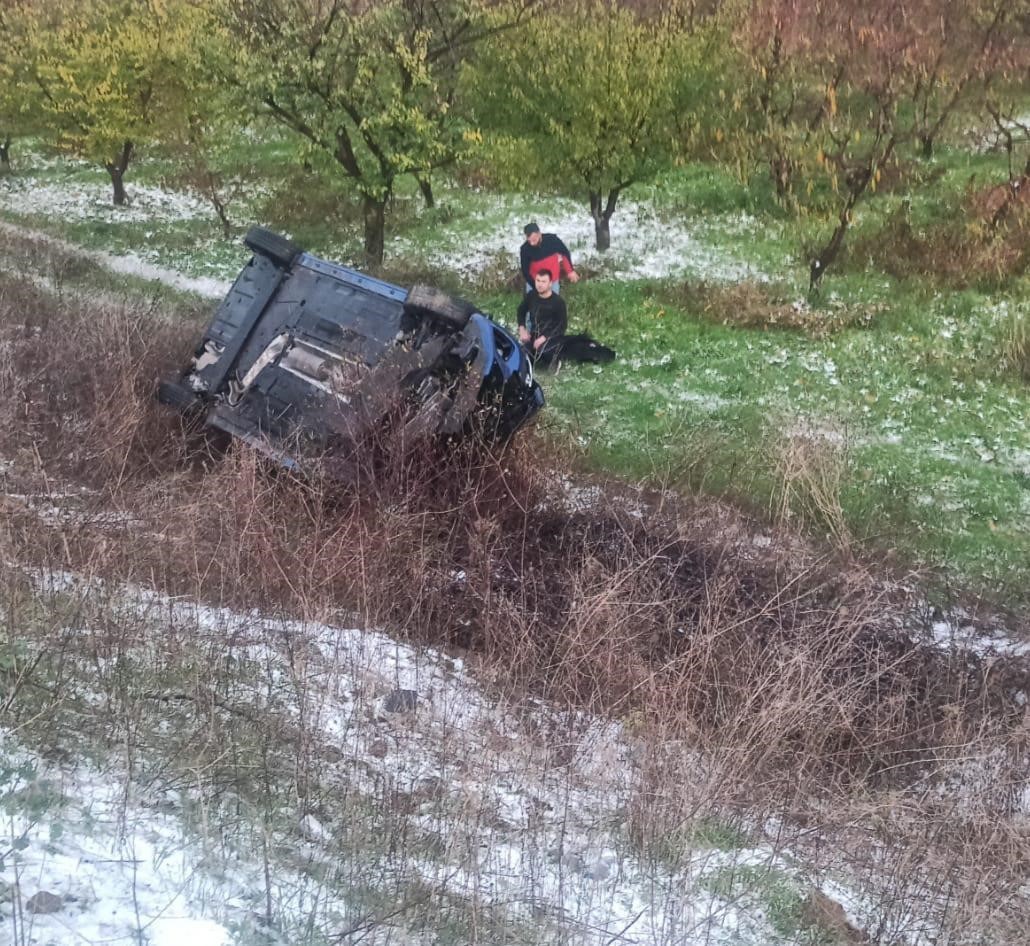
(94,862)
(527,827)
(645,243)
(77,200)
(131,265)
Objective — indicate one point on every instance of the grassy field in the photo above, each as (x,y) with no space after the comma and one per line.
(889,415)
(499,699)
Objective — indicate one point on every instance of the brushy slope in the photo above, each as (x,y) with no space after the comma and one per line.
(761,682)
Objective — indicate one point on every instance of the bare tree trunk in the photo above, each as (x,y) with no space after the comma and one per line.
(118,185)
(375,229)
(117,170)
(210,183)
(858,180)
(426,187)
(828,253)
(781,170)
(222,211)
(602,217)
(5,155)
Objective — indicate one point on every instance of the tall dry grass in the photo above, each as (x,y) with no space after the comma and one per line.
(782,684)
(986,240)
(597,606)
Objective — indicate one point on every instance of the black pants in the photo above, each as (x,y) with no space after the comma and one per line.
(571,348)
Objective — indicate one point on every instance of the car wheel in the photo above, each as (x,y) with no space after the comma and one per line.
(277,248)
(177,395)
(450,310)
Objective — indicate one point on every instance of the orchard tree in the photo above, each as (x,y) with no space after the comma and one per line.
(205,149)
(108,74)
(204,138)
(370,85)
(1010,131)
(860,126)
(18,93)
(592,96)
(957,51)
(790,86)
(836,92)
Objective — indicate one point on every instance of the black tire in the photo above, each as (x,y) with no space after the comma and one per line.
(450,310)
(277,248)
(177,395)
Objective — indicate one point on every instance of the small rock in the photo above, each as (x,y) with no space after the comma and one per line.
(44,902)
(401,701)
(378,749)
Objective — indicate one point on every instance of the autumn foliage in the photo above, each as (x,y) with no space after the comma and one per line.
(581,97)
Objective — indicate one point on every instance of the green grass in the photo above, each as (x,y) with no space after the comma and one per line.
(931,429)
(777,895)
(707,833)
(923,406)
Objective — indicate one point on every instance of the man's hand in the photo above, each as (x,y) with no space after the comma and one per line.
(539,343)
(523,334)
(573,276)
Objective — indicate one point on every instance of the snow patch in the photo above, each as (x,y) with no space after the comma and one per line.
(541,851)
(644,245)
(121,869)
(995,641)
(130,265)
(92,201)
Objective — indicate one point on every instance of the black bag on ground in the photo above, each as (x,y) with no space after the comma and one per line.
(574,348)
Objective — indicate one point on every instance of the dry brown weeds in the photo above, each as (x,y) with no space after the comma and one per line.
(783,683)
(758,305)
(986,240)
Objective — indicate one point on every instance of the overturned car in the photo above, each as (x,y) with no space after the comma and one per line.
(306,356)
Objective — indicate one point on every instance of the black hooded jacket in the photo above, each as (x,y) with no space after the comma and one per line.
(547,317)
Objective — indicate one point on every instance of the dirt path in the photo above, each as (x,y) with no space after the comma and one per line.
(128,265)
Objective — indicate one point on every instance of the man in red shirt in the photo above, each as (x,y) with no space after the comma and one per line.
(545,251)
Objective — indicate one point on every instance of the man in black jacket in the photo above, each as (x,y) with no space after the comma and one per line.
(543,328)
(545,251)
(542,314)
